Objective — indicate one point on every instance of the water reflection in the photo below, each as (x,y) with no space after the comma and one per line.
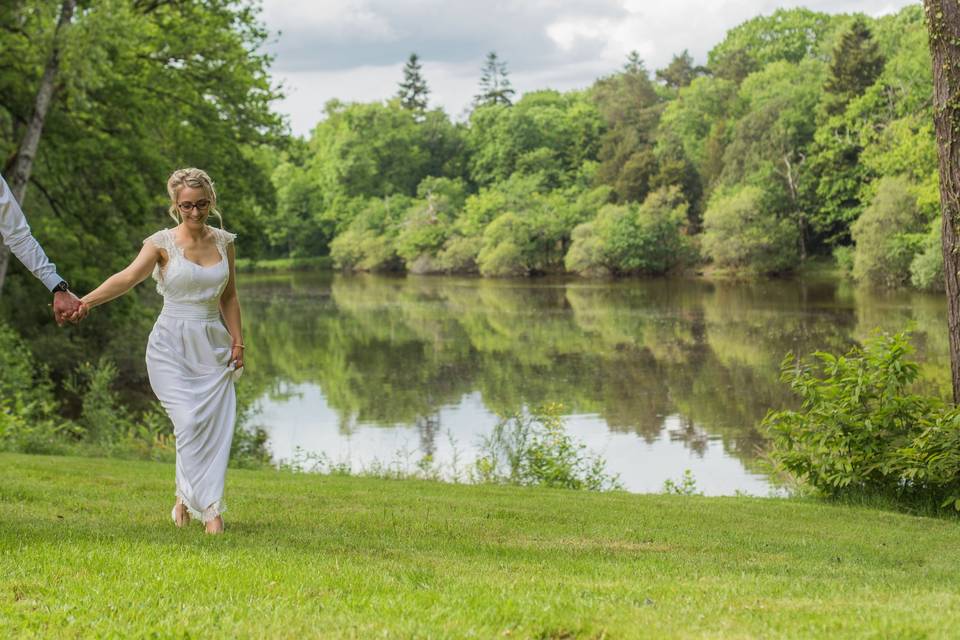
(677,370)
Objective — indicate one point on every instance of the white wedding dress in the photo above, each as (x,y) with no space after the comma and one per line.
(188,361)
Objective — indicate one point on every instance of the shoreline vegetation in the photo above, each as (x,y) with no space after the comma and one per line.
(87,549)
(815,267)
(279,265)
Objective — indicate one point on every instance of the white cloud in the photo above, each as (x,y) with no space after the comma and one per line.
(341,18)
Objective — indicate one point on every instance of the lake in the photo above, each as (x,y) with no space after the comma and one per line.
(655,375)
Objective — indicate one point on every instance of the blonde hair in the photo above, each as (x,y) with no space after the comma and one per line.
(196,179)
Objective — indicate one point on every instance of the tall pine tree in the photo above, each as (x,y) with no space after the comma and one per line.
(835,161)
(680,72)
(495,85)
(413,90)
(857,62)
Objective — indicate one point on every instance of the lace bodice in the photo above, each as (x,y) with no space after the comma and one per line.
(184,281)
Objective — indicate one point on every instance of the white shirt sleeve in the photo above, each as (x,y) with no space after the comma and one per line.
(15,233)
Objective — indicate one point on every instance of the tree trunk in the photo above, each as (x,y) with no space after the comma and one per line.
(795,198)
(23,163)
(943,24)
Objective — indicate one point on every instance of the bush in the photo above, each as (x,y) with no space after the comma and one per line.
(506,249)
(369,242)
(534,449)
(926,270)
(427,223)
(460,254)
(28,409)
(740,233)
(631,239)
(843,256)
(861,433)
(887,235)
(364,250)
(103,417)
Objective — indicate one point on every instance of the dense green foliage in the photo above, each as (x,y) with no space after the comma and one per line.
(631,239)
(862,431)
(888,234)
(782,141)
(143,88)
(739,232)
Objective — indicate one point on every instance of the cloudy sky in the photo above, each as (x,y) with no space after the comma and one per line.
(354,50)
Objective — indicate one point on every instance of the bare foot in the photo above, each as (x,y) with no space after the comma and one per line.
(181,517)
(215,526)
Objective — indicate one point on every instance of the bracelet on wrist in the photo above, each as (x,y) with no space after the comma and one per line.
(239,345)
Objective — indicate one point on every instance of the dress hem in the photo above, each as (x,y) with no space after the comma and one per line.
(208,514)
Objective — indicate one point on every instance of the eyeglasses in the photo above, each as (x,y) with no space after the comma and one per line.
(186,207)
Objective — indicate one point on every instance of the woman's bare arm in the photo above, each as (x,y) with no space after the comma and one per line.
(122,281)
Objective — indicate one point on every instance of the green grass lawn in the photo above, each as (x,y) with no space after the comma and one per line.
(87,549)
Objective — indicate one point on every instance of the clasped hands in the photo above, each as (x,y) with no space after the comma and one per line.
(67,307)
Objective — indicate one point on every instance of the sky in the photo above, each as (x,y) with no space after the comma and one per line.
(354,50)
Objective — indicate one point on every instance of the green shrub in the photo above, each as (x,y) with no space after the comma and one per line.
(369,244)
(843,256)
(860,432)
(685,486)
(103,417)
(459,255)
(926,270)
(887,234)
(587,255)
(28,410)
(535,449)
(506,249)
(740,233)
(150,437)
(427,223)
(632,239)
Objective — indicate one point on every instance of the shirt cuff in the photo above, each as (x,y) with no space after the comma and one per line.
(52,280)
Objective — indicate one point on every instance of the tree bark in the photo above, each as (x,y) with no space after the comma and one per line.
(943,25)
(795,197)
(23,162)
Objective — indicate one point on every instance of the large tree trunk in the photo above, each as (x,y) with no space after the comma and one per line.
(23,163)
(943,24)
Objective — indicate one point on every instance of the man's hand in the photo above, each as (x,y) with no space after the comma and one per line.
(67,308)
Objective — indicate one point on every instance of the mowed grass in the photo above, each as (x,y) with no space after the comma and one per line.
(87,549)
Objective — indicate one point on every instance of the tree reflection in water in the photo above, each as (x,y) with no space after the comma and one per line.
(397,350)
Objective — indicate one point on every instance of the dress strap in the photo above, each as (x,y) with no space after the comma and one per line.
(161,239)
(224,237)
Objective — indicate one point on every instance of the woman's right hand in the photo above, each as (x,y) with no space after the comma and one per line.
(82,311)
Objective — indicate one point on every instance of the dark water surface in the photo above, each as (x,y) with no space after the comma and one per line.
(657,376)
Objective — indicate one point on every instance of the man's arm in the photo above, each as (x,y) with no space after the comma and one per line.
(16,234)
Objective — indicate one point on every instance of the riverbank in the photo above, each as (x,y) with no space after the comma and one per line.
(319,263)
(87,549)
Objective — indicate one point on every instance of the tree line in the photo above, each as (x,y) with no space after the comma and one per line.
(805,135)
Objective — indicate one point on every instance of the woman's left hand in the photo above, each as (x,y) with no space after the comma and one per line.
(236,355)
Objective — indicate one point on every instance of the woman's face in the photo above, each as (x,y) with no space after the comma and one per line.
(194,206)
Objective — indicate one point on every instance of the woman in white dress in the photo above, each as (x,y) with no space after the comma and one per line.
(195,350)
